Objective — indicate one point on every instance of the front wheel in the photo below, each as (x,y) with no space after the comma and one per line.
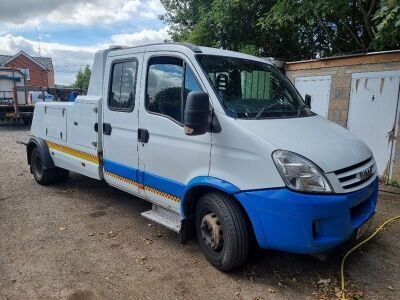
(222,231)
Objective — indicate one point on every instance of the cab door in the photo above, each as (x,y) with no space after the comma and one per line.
(120,122)
(168,158)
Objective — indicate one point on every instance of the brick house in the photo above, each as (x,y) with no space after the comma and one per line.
(361,93)
(38,71)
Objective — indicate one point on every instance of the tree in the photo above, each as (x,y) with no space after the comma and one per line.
(287,29)
(82,78)
(227,24)
(337,26)
(387,19)
(182,16)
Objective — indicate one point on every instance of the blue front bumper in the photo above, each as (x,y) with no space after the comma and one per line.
(307,223)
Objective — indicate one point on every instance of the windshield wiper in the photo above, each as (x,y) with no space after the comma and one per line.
(268,106)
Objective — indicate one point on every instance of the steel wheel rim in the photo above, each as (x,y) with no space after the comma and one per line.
(211,232)
(37,166)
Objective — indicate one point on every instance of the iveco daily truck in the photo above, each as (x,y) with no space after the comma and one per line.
(221,144)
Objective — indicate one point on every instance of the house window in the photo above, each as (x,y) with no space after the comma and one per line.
(26,74)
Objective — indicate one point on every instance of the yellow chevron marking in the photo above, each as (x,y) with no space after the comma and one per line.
(126,180)
(141,186)
(162,194)
(95,159)
(80,154)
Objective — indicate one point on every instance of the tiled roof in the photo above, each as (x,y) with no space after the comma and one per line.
(44,61)
(3,59)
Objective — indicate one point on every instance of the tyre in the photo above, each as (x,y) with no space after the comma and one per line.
(61,174)
(41,175)
(222,231)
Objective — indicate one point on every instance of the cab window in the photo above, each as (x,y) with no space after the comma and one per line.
(252,89)
(123,83)
(165,95)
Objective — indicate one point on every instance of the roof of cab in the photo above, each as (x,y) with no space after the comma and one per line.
(183,47)
(157,46)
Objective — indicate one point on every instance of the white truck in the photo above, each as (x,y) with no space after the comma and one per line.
(219,142)
(35,96)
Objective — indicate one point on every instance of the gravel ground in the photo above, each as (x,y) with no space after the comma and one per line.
(85,240)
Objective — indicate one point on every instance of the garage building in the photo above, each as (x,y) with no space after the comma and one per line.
(360,93)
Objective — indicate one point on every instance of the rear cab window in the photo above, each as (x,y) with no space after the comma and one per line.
(123,86)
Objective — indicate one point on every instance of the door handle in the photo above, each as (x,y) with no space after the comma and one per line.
(143,135)
(107,128)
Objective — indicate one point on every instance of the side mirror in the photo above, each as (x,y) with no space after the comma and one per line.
(307,100)
(197,112)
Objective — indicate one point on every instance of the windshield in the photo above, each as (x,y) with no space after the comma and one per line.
(250,89)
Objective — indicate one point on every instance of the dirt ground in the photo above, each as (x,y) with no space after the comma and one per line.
(85,240)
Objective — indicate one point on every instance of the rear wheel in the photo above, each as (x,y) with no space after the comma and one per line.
(42,176)
(222,231)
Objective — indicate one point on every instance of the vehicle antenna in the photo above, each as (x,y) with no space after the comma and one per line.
(37,36)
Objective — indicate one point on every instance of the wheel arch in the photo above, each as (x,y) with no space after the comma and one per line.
(200,186)
(35,142)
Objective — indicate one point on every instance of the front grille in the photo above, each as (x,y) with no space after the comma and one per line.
(354,176)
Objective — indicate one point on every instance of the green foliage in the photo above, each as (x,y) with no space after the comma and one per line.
(249,49)
(229,24)
(286,29)
(387,19)
(332,26)
(82,78)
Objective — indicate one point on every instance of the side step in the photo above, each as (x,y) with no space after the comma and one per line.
(164,217)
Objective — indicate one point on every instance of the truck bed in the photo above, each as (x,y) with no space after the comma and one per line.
(69,131)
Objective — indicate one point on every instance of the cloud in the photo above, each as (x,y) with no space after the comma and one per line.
(11,44)
(18,12)
(142,37)
(22,13)
(67,59)
(152,9)
(100,11)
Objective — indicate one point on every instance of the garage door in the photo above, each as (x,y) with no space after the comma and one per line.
(372,113)
(318,87)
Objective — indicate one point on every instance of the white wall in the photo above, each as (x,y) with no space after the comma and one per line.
(8,85)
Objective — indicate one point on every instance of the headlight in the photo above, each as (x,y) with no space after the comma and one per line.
(299,173)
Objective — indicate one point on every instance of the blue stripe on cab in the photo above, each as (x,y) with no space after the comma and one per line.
(163,184)
(121,170)
(157,182)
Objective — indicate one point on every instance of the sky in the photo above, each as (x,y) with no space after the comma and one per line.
(71,31)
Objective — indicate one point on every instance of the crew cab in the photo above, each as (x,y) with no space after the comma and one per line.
(221,144)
